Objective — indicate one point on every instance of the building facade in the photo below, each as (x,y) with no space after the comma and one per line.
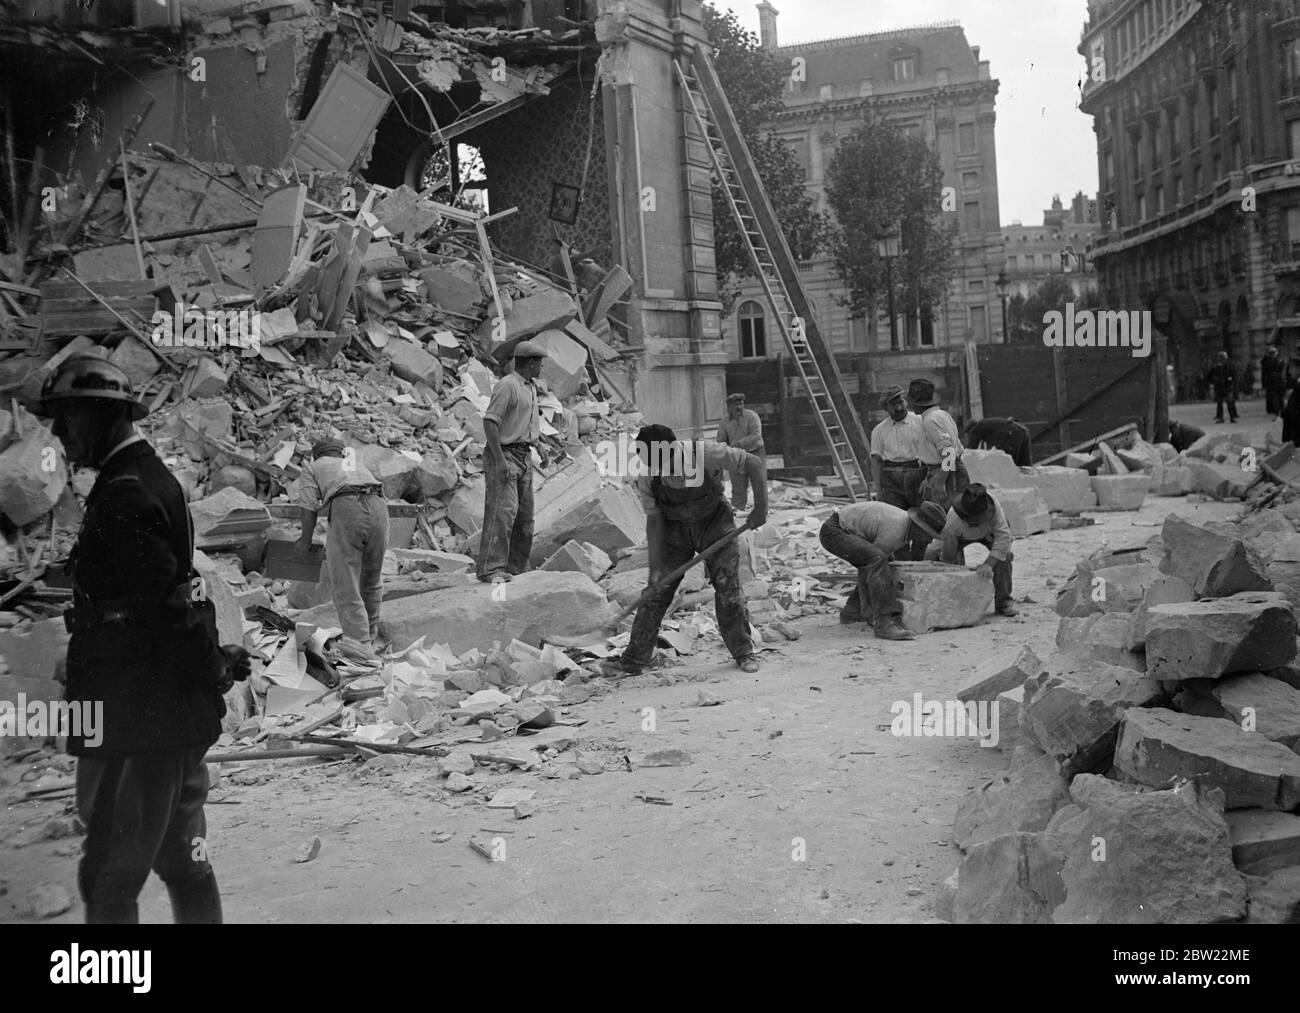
(1196,108)
(932,83)
(1057,248)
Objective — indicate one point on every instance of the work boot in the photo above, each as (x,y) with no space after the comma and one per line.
(1007,608)
(749,663)
(892,629)
(621,667)
(495,577)
(196,902)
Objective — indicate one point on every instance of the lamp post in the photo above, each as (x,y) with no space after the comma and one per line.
(887,244)
(1003,285)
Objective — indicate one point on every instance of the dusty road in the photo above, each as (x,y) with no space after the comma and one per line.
(798,753)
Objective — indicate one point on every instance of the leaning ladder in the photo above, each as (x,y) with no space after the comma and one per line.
(777,271)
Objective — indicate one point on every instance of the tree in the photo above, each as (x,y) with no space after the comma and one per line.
(1025,315)
(752,80)
(882,177)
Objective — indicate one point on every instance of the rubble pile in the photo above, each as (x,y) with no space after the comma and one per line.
(1164,731)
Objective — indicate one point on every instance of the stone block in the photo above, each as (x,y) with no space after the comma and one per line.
(33,473)
(1005,670)
(1102,635)
(1219,481)
(546,310)
(466,505)
(413,364)
(234,476)
(204,378)
(1121,492)
(393,469)
(136,360)
(1021,801)
(1213,562)
(1274,900)
(1062,489)
(565,367)
(1206,445)
(453,287)
(433,476)
(1158,745)
(1248,632)
(994,468)
(427,560)
(1009,880)
(1164,590)
(1283,568)
(559,604)
(1025,511)
(941,596)
(31,652)
(1011,733)
(1171,480)
(230,617)
(1168,860)
(576,557)
(1139,455)
(1264,840)
(1253,700)
(1117,588)
(1110,461)
(611,519)
(1073,709)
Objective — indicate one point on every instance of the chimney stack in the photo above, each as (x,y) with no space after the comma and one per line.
(975,51)
(767,25)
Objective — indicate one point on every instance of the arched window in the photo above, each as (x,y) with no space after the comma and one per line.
(753,330)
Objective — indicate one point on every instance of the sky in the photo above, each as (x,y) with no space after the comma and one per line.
(1045,146)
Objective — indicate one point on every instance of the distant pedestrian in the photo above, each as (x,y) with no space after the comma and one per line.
(741,428)
(1272,372)
(1223,378)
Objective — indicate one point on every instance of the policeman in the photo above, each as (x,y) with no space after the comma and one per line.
(144,648)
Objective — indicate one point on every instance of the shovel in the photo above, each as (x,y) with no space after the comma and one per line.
(598,635)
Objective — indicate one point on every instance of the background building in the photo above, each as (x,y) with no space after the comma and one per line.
(1034,251)
(931,82)
(1196,107)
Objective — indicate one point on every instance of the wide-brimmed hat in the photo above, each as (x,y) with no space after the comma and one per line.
(929,517)
(889,393)
(921,394)
(975,503)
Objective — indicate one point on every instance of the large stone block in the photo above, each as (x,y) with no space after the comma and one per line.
(33,472)
(1158,745)
(433,476)
(1168,860)
(941,596)
(1163,591)
(545,310)
(413,364)
(1102,635)
(31,653)
(1021,801)
(393,469)
(1247,632)
(627,586)
(1025,511)
(995,468)
(565,367)
(1283,568)
(1219,481)
(1171,480)
(1266,531)
(1009,880)
(1073,709)
(465,506)
(1063,489)
(1213,562)
(1274,900)
(577,557)
(453,287)
(136,360)
(1203,448)
(559,604)
(612,519)
(230,617)
(1253,700)
(1005,670)
(1121,492)
(1118,588)
(1264,840)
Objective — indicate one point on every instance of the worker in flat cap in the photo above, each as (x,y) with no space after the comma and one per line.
(356,511)
(144,659)
(512,426)
(977,519)
(743,429)
(941,450)
(896,447)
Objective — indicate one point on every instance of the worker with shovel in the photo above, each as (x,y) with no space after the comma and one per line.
(680,486)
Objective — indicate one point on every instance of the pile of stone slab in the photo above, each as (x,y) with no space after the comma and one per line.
(1154,757)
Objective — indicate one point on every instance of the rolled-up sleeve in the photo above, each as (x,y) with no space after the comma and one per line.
(936,433)
(308,489)
(502,401)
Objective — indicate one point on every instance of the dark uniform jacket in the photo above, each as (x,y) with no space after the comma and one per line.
(135,646)
(1272,373)
(1223,377)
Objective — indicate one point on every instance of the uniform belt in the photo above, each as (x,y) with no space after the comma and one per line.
(897,465)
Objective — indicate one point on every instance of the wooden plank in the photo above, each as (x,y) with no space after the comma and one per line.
(1062,394)
(275,240)
(1080,447)
(130,210)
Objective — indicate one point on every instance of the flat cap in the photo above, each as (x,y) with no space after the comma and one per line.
(889,393)
(328,445)
(735,399)
(529,350)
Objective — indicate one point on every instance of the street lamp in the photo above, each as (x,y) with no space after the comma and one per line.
(1003,285)
(887,245)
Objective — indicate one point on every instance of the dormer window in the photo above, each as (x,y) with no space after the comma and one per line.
(905,68)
